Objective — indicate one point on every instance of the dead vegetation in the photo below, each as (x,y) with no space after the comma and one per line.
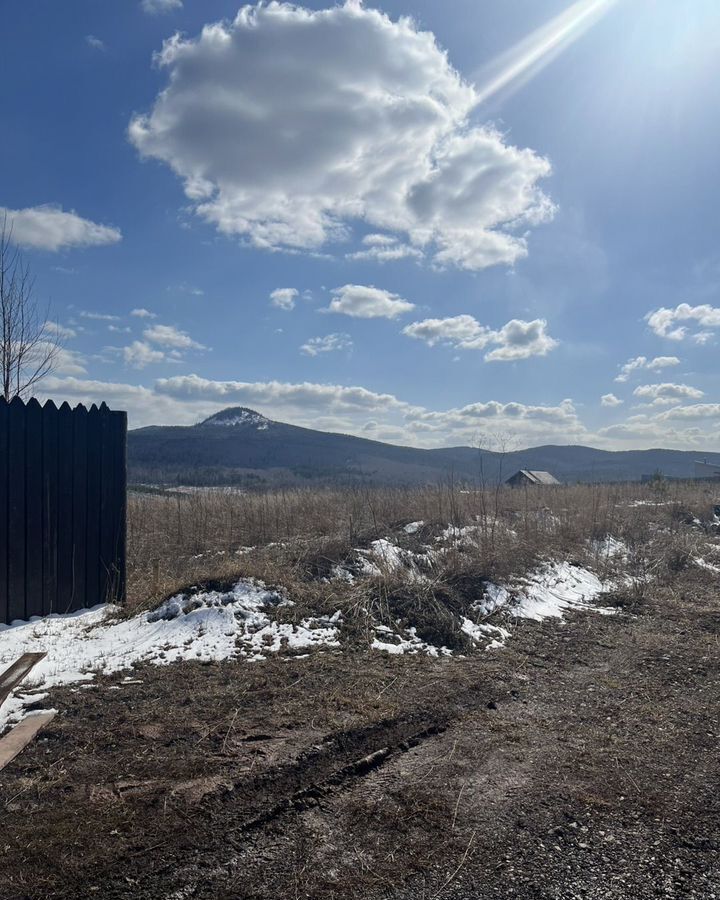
(578,761)
(310,544)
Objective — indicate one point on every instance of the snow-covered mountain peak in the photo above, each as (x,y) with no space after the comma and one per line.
(238,415)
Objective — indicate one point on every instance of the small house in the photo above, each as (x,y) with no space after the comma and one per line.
(526,477)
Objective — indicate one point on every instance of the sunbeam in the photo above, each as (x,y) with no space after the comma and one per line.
(513,67)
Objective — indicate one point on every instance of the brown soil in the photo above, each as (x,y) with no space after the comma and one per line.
(579,762)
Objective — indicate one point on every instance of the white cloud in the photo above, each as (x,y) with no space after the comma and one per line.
(69,362)
(94,42)
(154,7)
(169,336)
(98,317)
(681,427)
(703,337)
(284,298)
(515,340)
(61,332)
(665,394)
(357,410)
(642,362)
(693,411)
(457,331)
(305,396)
(390,144)
(143,313)
(610,400)
(50,228)
(367,302)
(140,354)
(327,344)
(663,362)
(185,288)
(521,340)
(385,248)
(667,322)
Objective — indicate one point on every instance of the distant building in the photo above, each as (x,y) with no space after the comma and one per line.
(706,470)
(526,477)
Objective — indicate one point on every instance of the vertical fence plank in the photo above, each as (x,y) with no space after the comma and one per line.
(107,499)
(3,510)
(119,441)
(65,510)
(92,543)
(16,510)
(79,420)
(33,509)
(50,467)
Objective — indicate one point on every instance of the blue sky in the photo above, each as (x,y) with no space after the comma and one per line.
(377,218)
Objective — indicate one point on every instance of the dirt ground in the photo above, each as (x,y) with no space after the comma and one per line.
(581,761)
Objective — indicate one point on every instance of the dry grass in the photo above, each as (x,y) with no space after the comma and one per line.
(296,537)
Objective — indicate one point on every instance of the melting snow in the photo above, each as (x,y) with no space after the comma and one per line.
(711,567)
(609,547)
(413,527)
(391,642)
(556,588)
(385,557)
(209,626)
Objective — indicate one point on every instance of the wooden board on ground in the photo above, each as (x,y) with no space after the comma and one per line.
(21,735)
(12,676)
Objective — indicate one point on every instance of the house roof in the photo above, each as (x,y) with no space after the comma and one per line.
(537,477)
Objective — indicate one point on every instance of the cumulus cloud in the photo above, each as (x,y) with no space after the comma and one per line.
(155,7)
(284,298)
(142,313)
(51,228)
(367,302)
(667,322)
(457,331)
(140,354)
(390,145)
(642,362)
(610,400)
(327,344)
(681,427)
(515,340)
(184,399)
(665,394)
(693,411)
(169,336)
(520,340)
(305,396)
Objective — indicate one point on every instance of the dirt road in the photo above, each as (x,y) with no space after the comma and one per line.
(581,761)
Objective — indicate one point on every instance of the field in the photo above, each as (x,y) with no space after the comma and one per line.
(438,693)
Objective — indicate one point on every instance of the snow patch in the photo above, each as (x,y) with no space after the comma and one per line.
(207,626)
(386,558)
(413,527)
(558,587)
(609,547)
(390,642)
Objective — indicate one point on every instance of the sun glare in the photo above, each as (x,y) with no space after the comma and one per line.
(515,66)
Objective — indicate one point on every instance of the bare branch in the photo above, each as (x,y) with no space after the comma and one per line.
(29,348)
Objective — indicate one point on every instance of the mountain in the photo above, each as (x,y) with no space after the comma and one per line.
(242,447)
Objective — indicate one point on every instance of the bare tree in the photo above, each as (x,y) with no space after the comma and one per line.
(29,346)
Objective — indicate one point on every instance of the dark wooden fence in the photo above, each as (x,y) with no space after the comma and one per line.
(62,507)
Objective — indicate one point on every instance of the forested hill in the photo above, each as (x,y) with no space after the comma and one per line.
(240,446)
